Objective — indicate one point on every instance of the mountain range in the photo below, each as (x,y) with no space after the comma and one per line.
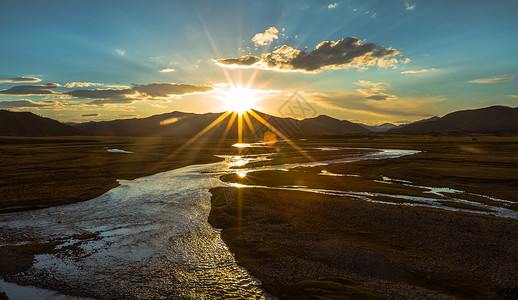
(488,119)
(29,124)
(181,124)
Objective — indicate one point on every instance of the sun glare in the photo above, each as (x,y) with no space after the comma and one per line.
(239,99)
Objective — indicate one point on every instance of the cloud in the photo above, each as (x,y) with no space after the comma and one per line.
(57,96)
(90,115)
(120,52)
(169,89)
(354,103)
(409,5)
(379,86)
(347,53)
(25,103)
(491,80)
(99,93)
(376,90)
(418,71)
(167,70)
(102,102)
(375,95)
(243,61)
(80,84)
(266,38)
(21,90)
(20,79)
(332,5)
(154,91)
(118,86)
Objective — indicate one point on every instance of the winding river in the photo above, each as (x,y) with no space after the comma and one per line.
(149,237)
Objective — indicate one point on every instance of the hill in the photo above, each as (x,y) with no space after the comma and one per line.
(488,119)
(379,128)
(179,124)
(29,124)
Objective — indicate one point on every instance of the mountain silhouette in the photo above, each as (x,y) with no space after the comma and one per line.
(186,125)
(29,124)
(488,119)
(379,128)
(179,124)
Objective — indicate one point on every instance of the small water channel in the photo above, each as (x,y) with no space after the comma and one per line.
(149,238)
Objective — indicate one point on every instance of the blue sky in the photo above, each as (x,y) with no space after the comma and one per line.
(377,61)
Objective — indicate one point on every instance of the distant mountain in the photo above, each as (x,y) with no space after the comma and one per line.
(325,125)
(169,124)
(434,118)
(29,124)
(489,119)
(378,128)
(179,124)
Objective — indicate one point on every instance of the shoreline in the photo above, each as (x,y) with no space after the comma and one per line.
(303,245)
(46,172)
(252,242)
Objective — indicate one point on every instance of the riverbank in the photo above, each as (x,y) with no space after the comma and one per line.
(44,172)
(302,244)
(305,245)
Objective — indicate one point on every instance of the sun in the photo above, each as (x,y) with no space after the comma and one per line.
(238,99)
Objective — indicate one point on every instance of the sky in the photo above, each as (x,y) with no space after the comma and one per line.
(365,61)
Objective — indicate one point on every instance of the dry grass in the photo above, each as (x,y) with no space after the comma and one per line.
(311,246)
(42,172)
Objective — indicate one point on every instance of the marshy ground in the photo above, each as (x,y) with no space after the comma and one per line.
(305,245)
(43,172)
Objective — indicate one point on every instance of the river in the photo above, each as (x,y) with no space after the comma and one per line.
(149,237)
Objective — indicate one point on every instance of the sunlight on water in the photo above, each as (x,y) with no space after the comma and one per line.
(118,151)
(151,239)
(241,174)
(150,236)
(239,145)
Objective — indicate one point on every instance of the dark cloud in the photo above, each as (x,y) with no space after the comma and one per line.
(90,115)
(347,53)
(246,60)
(20,103)
(102,102)
(20,90)
(20,79)
(100,93)
(169,89)
(154,91)
(24,103)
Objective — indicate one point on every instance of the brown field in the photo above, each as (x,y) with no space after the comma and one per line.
(309,246)
(42,172)
(303,245)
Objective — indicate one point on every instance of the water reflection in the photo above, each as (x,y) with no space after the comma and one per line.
(242,173)
(150,239)
(150,236)
(445,198)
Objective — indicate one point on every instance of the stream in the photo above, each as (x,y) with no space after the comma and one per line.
(149,238)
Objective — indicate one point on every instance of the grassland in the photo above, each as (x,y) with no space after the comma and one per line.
(310,246)
(303,245)
(42,172)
